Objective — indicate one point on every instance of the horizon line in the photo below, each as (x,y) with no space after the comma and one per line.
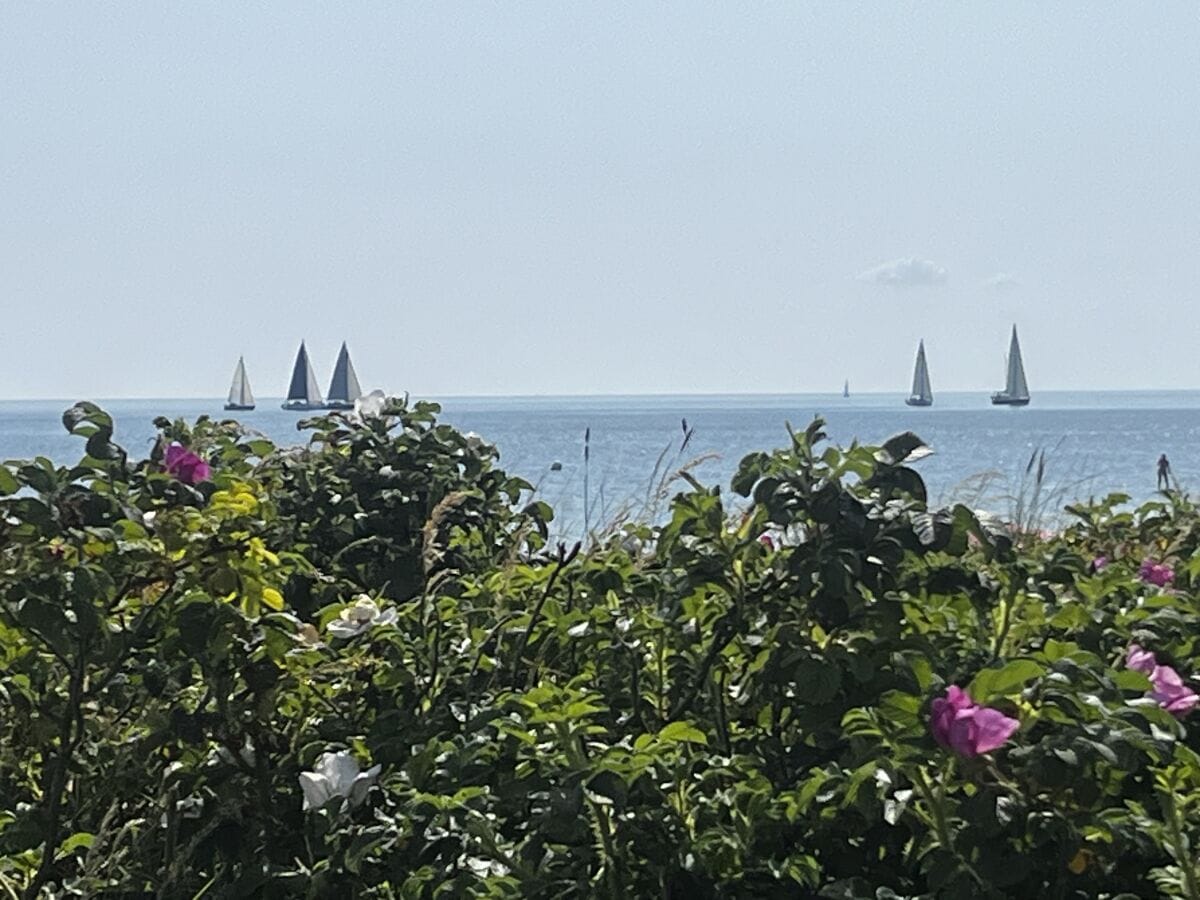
(622,395)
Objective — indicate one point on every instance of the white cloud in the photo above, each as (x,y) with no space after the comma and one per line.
(1002,282)
(908,272)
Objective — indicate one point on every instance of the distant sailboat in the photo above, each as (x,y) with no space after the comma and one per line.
(922,392)
(240,396)
(303,392)
(343,388)
(846,388)
(1016,390)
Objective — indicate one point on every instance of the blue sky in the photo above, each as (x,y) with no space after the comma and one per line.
(536,198)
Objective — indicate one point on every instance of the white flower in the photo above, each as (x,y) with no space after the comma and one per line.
(361,615)
(370,406)
(246,754)
(337,775)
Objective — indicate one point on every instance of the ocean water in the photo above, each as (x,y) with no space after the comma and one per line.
(1095,443)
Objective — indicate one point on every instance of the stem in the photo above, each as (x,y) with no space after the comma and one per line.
(587,456)
(1009,604)
(612,864)
(55,778)
(564,559)
(1179,845)
(937,808)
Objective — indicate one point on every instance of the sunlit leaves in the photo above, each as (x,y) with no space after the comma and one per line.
(734,701)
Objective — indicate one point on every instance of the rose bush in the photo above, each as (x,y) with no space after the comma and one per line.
(363,668)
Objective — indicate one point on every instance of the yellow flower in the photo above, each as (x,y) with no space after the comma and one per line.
(238,500)
(258,550)
(272,598)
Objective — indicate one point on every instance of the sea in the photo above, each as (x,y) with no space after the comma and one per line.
(1094,443)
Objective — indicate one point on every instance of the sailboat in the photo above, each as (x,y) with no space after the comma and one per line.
(846,388)
(240,396)
(303,392)
(1016,390)
(343,388)
(922,391)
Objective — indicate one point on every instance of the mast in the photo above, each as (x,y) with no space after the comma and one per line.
(344,387)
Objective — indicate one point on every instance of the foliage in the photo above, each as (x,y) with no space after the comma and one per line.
(732,703)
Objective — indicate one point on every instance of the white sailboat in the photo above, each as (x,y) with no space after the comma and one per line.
(240,395)
(343,387)
(922,391)
(1016,389)
(303,392)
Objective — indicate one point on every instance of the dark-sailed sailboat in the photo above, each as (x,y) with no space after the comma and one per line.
(303,392)
(922,392)
(1016,390)
(343,387)
(240,396)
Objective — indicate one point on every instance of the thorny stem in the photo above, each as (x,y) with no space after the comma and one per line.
(937,807)
(1009,603)
(564,559)
(1180,845)
(56,776)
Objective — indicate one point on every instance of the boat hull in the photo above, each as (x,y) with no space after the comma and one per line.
(339,404)
(917,401)
(301,405)
(1002,400)
(239,406)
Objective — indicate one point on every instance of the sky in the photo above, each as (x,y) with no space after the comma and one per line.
(597,198)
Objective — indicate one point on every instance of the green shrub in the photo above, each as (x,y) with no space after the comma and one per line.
(362,668)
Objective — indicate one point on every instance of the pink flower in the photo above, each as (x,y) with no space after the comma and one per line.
(943,711)
(1139,660)
(186,465)
(960,724)
(765,540)
(1100,562)
(1171,693)
(1156,573)
(1167,687)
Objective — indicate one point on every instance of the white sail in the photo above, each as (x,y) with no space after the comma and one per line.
(1015,384)
(303,392)
(921,388)
(343,387)
(240,395)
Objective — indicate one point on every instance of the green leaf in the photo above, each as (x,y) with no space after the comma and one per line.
(677,732)
(1007,680)
(8,481)
(1129,680)
(901,447)
(748,473)
(822,681)
(84,419)
(79,839)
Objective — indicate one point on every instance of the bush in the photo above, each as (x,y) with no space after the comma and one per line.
(362,668)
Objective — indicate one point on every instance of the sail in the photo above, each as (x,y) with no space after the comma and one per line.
(344,388)
(1015,384)
(239,391)
(921,388)
(303,388)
